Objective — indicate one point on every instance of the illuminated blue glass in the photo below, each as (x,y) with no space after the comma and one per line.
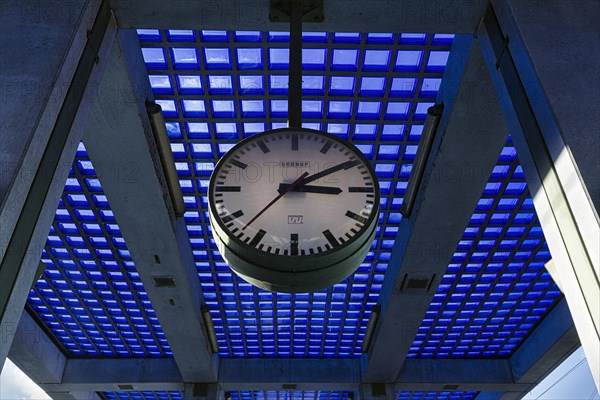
(180,35)
(160,84)
(278,37)
(372,86)
(169,109)
(194,108)
(368,110)
(216,58)
(314,37)
(408,60)
(413,38)
(421,111)
(403,87)
(253,108)
(342,86)
(149,35)
(344,60)
(185,58)
(154,58)
(251,84)
(430,87)
(313,85)
(312,109)
(250,58)
(340,130)
(344,37)
(437,61)
(226,130)
(213,36)
(314,59)
(248,36)
(197,130)
(220,84)
(189,84)
(441,39)
(339,109)
(279,58)
(376,60)
(365,132)
(396,110)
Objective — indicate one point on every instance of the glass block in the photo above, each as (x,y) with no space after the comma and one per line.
(408,60)
(168,107)
(413,38)
(160,84)
(279,58)
(193,108)
(223,108)
(185,58)
(251,84)
(403,87)
(314,59)
(248,36)
(189,84)
(180,35)
(437,61)
(368,110)
(341,86)
(149,35)
(339,109)
(197,130)
(392,132)
(253,108)
(154,58)
(220,84)
(384,38)
(216,58)
(372,86)
(344,60)
(213,36)
(430,87)
(397,110)
(249,58)
(376,60)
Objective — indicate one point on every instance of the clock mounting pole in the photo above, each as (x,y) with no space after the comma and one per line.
(295,72)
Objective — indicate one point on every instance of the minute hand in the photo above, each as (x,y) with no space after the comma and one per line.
(325,172)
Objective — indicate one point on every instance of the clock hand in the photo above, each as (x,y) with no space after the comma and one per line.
(289,188)
(311,189)
(335,168)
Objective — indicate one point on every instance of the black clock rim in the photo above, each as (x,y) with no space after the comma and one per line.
(308,257)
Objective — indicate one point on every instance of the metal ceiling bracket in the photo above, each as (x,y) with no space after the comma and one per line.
(281,10)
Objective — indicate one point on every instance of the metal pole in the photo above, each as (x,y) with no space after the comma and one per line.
(295,75)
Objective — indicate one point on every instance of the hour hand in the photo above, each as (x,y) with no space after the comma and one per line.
(311,189)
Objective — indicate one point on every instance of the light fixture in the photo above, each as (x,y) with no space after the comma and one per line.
(161,138)
(210,328)
(370,328)
(434,114)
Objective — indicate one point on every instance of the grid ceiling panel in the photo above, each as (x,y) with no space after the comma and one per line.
(146,395)
(218,87)
(428,395)
(90,296)
(289,395)
(496,289)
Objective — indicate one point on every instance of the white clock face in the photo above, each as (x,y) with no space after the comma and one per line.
(253,195)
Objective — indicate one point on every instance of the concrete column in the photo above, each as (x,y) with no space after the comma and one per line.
(470,137)
(203,391)
(53,52)
(544,58)
(159,245)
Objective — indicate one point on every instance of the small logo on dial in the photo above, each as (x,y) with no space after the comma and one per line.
(295,219)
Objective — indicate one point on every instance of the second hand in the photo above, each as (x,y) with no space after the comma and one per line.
(288,189)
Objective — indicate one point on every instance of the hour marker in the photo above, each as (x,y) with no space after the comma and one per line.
(228,188)
(356,217)
(294,142)
(330,238)
(257,238)
(326,148)
(263,146)
(294,244)
(360,189)
(238,164)
(232,216)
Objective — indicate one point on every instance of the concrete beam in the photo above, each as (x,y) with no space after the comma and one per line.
(35,353)
(87,375)
(427,16)
(57,54)
(203,391)
(546,348)
(278,373)
(552,113)
(110,374)
(469,139)
(119,137)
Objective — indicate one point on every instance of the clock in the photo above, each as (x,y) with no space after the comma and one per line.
(293,210)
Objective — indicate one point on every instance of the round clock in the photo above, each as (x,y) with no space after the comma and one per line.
(293,210)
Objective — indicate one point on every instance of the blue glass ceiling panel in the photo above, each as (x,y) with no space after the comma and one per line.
(289,395)
(429,395)
(236,86)
(90,296)
(496,289)
(145,395)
